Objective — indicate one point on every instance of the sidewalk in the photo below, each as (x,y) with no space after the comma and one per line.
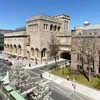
(92,93)
(27,62)
(33,65)
(42,65)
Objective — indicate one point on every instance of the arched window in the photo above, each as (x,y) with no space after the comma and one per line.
(55,27)
(15,48)
(28,54)
(58,28)
(4,45)
(51,27)
(43,52)
(19,47)
(32,51)
(37,52)
(45,26)
(8,45)
(11,47)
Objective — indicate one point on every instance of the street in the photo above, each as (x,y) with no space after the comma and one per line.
(58,92)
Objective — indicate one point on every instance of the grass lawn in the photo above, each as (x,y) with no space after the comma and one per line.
(65,73)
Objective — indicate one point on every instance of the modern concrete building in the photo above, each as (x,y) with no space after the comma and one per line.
(85,44)
(34,42)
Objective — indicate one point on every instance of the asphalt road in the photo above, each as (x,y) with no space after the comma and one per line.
(59,92)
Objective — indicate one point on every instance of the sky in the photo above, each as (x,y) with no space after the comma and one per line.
(13,13)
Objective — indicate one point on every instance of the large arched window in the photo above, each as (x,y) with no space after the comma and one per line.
(15,48)
(58,28)
(4,45)
(43,52)
(20,49)
(51,27)
(45,26)
(7,45)
(28,54)
(55,27)
(37,52)
(11,47)
(32,51)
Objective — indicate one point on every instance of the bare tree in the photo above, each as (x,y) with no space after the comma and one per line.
(19,77)
(53,47)
(86,52)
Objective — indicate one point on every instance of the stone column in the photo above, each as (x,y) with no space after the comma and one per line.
(96,63)
(74,61)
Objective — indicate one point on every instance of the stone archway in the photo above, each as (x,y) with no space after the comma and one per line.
(15,49)
(43,52)
(11,48)
(32,52)
(19,49)
(65,55)
(28,54)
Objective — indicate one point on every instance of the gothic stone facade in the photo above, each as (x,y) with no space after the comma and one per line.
(90,35)
(34,42)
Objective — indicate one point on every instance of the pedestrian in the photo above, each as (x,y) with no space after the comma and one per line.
(29,65)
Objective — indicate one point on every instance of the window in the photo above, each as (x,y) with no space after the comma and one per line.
(59,28)
(33,27)
(43,53)
(37,52)
(32,51)
(90,33)
(45,26)
(55,28)
(51,27)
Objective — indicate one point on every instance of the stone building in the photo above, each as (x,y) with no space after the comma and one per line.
(2,32)
(15,43)
(86,48)
(1,41)
(34,42)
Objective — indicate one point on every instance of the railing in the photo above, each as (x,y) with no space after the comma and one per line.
(9,92)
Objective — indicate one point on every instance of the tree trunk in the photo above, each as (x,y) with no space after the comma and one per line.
(55,63)
(89,74)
